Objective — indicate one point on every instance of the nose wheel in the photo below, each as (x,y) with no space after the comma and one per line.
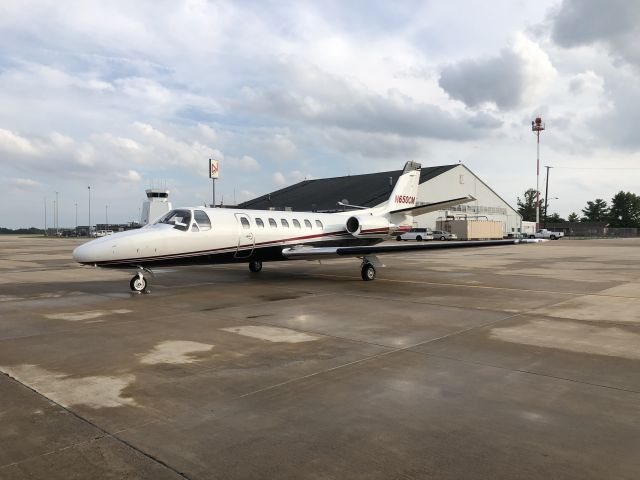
(139,284)
(255,266)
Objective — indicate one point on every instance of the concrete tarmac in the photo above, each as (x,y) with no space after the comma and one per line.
(514,362)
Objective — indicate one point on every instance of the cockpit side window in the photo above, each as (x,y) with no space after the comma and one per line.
(202,219)
(180,219)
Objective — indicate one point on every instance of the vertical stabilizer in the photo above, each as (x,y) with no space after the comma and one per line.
(405,192)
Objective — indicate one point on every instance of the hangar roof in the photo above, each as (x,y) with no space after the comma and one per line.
(323,194)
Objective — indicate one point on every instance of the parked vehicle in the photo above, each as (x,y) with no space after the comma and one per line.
(442,235)
(104,233)
(417,234)
(517,235)
(544,233)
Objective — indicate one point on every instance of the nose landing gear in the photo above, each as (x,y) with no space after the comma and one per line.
(139,284)
(255,265)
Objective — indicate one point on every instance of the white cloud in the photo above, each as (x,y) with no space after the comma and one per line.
(117,93)
(518,76)
(25,183)
(586,83)
(245,163)
(13,143)
(279,179)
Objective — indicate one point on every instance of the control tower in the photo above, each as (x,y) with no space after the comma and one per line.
(157,204)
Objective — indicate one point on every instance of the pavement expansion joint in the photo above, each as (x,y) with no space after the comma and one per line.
(527,372)
(104,433)
(461,285)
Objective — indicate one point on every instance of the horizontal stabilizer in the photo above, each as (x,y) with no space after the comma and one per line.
(433,207)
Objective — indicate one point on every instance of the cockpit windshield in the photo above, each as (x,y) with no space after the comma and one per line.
(180,219)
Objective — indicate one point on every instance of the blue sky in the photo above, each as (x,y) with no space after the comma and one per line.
(119,94)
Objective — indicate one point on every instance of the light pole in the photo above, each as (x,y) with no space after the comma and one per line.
(536,127)
(89,188)
(76,218)
(56,214)
(106,215)
(546,195)
(45,216)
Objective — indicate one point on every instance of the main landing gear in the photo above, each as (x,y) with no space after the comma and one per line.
(255,266)
(368,267)
(139,283)
(368,271)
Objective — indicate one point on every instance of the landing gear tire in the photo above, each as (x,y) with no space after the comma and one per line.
(255,265)
(368,272)
(138,284)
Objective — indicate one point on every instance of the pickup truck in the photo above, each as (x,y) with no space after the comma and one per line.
(544,233)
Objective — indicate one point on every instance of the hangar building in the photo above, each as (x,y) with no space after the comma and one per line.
(368,190)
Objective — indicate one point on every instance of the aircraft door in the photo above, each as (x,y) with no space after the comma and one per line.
(246,237)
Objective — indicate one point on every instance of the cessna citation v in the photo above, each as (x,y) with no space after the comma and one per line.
(196,236)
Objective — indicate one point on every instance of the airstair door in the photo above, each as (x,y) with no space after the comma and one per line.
(246,237)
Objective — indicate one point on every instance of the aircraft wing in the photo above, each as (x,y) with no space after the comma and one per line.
(432,207)
(316,253)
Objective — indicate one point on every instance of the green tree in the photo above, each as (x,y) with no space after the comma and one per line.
(555,218)
(595,211)
(527,207)
(573,217)
(625,210)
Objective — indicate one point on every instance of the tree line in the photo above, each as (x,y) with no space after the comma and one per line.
(623,211)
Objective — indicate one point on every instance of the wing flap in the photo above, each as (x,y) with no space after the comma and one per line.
(315,253)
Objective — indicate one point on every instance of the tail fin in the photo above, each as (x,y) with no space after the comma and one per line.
(405,192)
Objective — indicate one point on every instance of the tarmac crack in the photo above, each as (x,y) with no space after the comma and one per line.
(529,372)
(460,285)
(371,357)
(104,433)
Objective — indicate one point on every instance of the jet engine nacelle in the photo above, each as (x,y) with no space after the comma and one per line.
(368,226)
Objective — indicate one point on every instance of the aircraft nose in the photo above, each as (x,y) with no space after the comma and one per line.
(92,252)
(81,254)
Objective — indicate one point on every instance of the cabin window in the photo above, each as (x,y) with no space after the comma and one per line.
(272,223)
(180,219)
(285,224)
(307,224)
(319,224)
(296,223)
(202,220)
(259,223)
(245,223)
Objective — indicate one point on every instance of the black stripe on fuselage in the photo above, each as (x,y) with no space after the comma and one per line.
(230,254)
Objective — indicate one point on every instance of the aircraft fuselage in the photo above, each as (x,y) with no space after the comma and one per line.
(233,236)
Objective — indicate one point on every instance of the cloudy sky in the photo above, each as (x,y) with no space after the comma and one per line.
(121,94)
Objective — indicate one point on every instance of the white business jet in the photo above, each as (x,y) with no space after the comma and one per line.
(197,236)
